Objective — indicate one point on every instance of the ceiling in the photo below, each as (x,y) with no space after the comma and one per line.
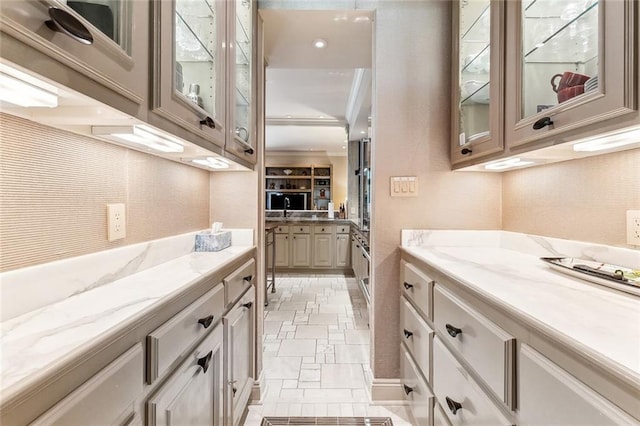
(313,95)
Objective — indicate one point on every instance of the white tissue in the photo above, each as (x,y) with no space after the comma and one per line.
(216,227)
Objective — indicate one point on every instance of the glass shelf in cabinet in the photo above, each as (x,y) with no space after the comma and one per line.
(479,30)
(241,55)
(190,48)
(559,39)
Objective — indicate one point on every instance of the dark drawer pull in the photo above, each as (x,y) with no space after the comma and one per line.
(206,322)
(453,331)
(248,305)
(543,122)
(64,22)
(407,389)
(234,389)
(453,405)
(466,151)
(407,333)
(249,151)
(408,286)
(247,278)
(208,121)
(204,361)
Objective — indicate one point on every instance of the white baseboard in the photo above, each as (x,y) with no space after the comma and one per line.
(257,391)
(386,392)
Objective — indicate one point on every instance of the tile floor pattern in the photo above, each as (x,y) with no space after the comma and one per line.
(316,352)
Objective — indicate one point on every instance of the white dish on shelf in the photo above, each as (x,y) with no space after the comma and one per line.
(287,171)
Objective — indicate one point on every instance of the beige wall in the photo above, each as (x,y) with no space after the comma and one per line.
(339,169)
(584,199)
(411,138)
(54,187)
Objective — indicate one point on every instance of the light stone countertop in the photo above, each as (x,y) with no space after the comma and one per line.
(505,269)
(39,342)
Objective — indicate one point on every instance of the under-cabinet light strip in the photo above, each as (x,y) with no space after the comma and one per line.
(612,140)
(19,92)
(140,134)
(507,164)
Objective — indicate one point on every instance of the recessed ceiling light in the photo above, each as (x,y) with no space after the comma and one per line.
(362,132)
(319,43)
(289,116)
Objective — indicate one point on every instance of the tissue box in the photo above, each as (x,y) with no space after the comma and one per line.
(213,241)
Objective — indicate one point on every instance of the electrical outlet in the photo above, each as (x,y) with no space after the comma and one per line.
(633,227)
(116,225)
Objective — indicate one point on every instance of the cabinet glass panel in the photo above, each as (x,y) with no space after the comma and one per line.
(475,38)
(108,16)
(560,52)
(196,52)
(243,24)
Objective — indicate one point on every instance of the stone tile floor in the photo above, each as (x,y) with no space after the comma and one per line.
(316,351)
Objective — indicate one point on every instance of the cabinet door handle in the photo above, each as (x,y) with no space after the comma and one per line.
(466,151)
(407,389)
(63,22)
(248,278)
(453,331)
(234,389)
(322,229)
(206,322)
(248,305)
(249,151)
(407,333)
(204,361)
(543,122)
(208,121)
(408,286)
(453,405)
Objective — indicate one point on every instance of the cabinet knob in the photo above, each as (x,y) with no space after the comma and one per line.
(453,331)
(466,151)
(453,405)
(543,122)
(248,278)
(234,390)
(407,333)
(204,361)
(408,286)
(249,151)
(248,305)
(206,322)
(322,229)
(407,389)
(63,22)
(208,122)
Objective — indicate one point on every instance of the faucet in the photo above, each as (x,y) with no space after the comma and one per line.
(287,204)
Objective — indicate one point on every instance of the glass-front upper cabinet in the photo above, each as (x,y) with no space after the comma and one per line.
(189,66)
(478,82)
(105,40)
(570,65)
(241,139)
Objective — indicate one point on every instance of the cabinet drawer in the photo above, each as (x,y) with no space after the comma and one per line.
(300,229)
(323,229)
(108,396)
(342,229)
(416,392)
(488,349)
(283,229)
(238,281)
(166,343)
(460,396)
(418,288)
(417,336)
(550,395)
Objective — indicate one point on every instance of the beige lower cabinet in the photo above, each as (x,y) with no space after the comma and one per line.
(301,247)
(322,250)
(108,396)
(239,341)
(415,391)
(194,393)
(282,250)
(550,395)
(342,251)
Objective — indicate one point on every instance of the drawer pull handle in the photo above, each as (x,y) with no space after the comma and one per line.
(248,278)
(206,322)
(208,121)
(234,389)
(407,333)
(204,361)
(407,389)
(466,151)
(543,122)
(453,331)
(453,405)
(408,286)
(64,22)
(248,305)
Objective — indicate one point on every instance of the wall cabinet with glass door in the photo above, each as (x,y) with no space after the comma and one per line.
(189,59)
(477,107)
(571,64)
(241,137)
(106,43)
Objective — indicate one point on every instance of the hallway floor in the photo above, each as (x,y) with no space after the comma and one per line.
(316,351)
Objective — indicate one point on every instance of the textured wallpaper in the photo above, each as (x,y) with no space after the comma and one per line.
(54,187)
(583,200)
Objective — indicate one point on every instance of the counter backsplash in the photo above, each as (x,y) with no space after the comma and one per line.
(27,289)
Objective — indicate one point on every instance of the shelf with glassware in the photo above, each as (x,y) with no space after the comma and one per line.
(477,105)
(315,181)
(568,70)
(189,63)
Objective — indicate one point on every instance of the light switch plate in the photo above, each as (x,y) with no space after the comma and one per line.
(116,223)
(404,186)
